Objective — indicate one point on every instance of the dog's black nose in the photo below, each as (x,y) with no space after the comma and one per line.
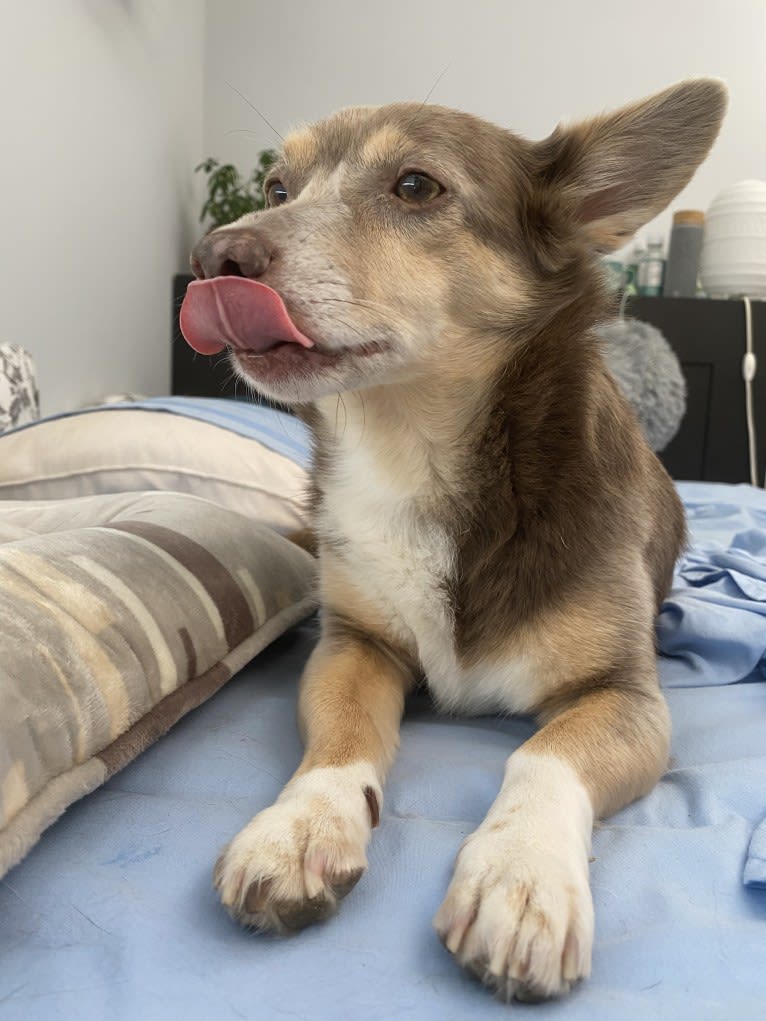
(231,253)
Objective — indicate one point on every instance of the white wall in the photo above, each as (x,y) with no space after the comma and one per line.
(106,106)
(524,64)
(100,128)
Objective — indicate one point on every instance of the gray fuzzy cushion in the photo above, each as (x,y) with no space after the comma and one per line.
(650,375)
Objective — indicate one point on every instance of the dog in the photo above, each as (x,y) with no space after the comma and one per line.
(422,288)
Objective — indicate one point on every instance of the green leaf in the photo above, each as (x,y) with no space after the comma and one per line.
(229,196)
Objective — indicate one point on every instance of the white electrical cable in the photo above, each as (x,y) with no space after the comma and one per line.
(749,367)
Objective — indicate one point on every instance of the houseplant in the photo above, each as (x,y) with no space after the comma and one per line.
(229,194)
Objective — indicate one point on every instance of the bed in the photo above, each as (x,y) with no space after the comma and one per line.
(112,912)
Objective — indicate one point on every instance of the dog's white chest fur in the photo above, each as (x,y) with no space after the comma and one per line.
(402,560)
(396,556)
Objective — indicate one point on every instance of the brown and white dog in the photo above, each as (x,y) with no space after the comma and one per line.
(488,516)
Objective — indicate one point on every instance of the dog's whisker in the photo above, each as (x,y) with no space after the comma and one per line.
(372,306)
(242,131)
(360,398)
(252,106)
(350,326)
(435,84)
(338,404)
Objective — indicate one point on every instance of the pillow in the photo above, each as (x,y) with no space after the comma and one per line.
(246,457)
(120,614)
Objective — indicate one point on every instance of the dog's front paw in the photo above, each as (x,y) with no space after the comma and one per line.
(519,918)
(292,864)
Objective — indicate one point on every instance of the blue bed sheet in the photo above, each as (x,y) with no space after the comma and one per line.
(113,914)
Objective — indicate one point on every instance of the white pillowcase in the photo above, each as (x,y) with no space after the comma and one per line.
(137,450)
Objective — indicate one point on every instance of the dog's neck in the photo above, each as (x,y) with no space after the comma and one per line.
(417,434)
(426,438)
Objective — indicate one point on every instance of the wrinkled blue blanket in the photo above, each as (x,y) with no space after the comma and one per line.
(712,629)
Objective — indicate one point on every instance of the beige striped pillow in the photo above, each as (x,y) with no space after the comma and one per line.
(120,614)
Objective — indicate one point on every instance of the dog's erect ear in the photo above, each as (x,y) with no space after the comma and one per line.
(615,172)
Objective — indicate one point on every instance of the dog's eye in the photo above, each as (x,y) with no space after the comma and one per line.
(276,194)
(417,188)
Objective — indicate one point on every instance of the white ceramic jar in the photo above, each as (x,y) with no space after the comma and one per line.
(733,260)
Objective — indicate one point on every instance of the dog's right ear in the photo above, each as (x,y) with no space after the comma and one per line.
(609,175)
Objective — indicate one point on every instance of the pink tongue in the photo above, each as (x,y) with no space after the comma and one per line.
(237,312)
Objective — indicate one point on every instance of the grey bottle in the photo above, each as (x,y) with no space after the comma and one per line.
(683,262)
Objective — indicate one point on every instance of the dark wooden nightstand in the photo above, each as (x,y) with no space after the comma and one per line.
(709,338)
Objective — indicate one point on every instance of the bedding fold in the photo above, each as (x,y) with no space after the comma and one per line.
(712,628)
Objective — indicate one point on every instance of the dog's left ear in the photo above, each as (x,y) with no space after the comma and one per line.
(613,173)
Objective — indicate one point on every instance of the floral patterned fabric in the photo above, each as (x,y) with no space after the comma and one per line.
(19,398)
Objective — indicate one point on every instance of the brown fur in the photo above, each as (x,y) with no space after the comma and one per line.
(367,695)
(459,334)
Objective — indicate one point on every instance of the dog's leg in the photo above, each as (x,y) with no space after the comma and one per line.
(296,859)
(518,912)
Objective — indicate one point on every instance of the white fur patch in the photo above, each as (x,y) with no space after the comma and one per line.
(518,912)
(286,868)
(400,558)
